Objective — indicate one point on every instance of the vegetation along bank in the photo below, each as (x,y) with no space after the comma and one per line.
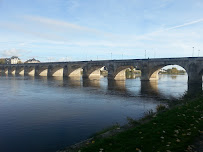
(177,129)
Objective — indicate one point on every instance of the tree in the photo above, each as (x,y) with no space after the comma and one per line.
(20,62)
(2,61)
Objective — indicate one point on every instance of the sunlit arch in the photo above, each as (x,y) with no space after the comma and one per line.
(153,75)
(120,71)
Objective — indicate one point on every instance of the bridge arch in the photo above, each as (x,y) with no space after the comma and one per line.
(41,71)
(20,70)
(29,70)
(55,70)
(72,70)
(12,70)
(152,73)
(4,70)
(92,71)
(118,72)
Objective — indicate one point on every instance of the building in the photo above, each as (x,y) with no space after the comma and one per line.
(7,60)
(32,61)
(12,60)
(15,60)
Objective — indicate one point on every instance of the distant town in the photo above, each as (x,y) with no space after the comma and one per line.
(16,60)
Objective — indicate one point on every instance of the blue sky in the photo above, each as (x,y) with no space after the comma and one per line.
(60,30)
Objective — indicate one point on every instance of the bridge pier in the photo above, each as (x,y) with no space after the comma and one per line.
(19,70)
(194,88)
(145,75)
(29,70)
(4,70)
(55,71)
(194,75)
(91,71)
(116,73)
(41,71)
(11,70)
(149,75)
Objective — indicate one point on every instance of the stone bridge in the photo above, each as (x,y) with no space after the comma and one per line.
(116,68)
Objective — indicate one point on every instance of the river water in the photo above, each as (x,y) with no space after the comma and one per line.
(40,114)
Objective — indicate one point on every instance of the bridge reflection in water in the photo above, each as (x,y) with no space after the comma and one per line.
(118,87)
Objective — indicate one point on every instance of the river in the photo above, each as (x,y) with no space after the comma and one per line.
(40,114)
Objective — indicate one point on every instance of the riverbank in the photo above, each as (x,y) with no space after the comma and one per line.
(172,130)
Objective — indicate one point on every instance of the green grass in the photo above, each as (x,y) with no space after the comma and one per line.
(95,135)
(172,130)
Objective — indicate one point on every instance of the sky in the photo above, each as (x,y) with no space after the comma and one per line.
(75,30)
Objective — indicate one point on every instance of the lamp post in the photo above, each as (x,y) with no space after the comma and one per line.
(193,51)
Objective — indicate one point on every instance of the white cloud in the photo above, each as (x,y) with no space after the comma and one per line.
(14,52)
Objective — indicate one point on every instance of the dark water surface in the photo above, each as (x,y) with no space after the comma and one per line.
(40,114)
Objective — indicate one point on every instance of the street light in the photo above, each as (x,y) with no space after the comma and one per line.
(193,52)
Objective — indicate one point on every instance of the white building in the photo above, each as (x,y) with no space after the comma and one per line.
(15,60)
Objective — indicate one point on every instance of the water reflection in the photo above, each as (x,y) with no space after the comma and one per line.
(174,76)
(165,87)
(117,85)
(54,112)
(73,81)
(149,88)
(133,76)
(91,82)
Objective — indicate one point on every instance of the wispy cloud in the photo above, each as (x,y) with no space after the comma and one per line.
(53,23)
(161,5)
(34,32)
(15,52)
(150,35)
(185,24)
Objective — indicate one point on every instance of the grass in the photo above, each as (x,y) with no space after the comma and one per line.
(107,129)
(169,131)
